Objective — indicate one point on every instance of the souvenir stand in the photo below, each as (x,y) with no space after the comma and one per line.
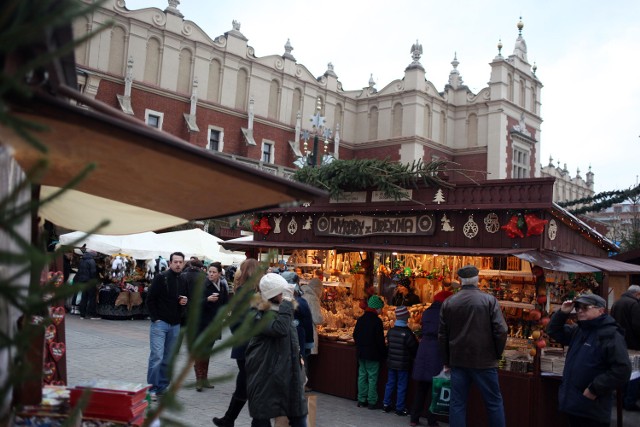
(531,254)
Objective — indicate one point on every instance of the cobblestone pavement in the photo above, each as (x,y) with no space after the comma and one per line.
(119,349)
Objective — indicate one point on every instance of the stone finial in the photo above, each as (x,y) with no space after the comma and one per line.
(173,8)
(372,82)
(455,80)
(287,51)
(416,52)
(235,25)
(330,71)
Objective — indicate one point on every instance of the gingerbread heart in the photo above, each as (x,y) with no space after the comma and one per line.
(49,371)
(56,314)
(50,333)
(57,350)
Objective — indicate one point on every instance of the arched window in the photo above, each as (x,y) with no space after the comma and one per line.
(80,27)
(117,51)
(213,85)
(523,93)
(152,62)
(295,105)
(338,118)
(510,87)
(397,120)
(373,123)
(427,121)
(184,72)
(274,100)
(472,130)
(534,101)
(241,89)
(443,127)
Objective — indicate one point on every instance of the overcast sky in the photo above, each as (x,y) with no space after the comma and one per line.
(587,53)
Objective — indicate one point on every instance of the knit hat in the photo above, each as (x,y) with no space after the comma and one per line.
(375,302)
(591,299)
(272,285)
(441,296)
(402,313)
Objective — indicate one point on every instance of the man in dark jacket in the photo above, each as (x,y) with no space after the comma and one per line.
(626,311)
(166,298)
(472,337)
(368,335)
(403,346)
(87,272)
(596,364)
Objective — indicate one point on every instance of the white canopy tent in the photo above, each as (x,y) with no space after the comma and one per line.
(150,245)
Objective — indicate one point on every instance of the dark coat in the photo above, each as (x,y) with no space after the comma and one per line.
(368,335)
(238,352)
(162,298)
(597,358)
(275,375)
(428,361)
(86,269)
(304,324)
(626,311)
(402,348)
(209,310)
(473,332)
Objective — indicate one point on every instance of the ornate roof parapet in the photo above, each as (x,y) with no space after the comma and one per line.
(455,80)
(330,71)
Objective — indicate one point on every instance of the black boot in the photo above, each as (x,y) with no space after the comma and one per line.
(235,406)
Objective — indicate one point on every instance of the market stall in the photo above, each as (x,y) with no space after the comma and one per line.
(531,254)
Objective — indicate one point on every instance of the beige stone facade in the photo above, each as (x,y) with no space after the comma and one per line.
(213,91)
(566,187)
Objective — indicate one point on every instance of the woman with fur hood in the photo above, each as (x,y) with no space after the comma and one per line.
(312,293)
(275,374)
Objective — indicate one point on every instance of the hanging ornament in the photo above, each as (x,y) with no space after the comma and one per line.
(446,224)
(470,228)
(261,226)
(512,228)
(439,197)
(552,230)
(277,220)
(535,225)
(293,226)
(322,224)
(307,224)
(492,223)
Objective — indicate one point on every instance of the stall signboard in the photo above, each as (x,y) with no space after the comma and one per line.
(364,225)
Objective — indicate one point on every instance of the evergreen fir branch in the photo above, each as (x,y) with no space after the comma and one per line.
(392,178)
(611,198)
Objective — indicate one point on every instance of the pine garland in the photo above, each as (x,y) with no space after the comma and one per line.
(610,198)
(390,177)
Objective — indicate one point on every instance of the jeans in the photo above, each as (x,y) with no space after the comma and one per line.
(402,379)
(293,422)
(162,337)
(487,382)
(368,381)
(241,381)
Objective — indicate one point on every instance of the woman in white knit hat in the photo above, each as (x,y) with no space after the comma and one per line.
(275,373)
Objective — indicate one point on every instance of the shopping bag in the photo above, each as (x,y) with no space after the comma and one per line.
(441,393)
(312,403)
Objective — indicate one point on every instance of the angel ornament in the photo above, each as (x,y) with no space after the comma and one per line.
(277,220)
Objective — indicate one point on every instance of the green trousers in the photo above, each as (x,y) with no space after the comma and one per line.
(368,381)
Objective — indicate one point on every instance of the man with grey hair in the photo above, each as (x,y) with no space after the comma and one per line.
(626,311)
(472,337)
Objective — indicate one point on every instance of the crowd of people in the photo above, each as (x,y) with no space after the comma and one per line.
(463,335)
